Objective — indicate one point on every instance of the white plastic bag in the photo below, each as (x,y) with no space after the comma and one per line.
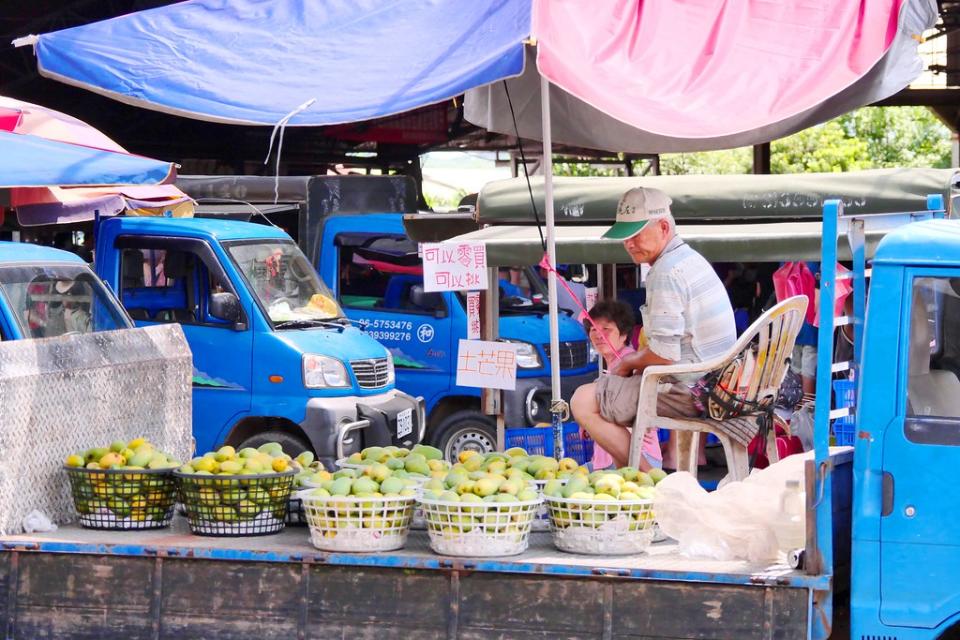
(37,521)
(735,522)
(801,425)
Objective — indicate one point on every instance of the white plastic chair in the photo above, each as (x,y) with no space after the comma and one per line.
(768,344)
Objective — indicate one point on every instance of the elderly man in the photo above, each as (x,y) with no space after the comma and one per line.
(687,318)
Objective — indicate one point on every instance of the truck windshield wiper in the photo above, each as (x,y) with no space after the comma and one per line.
(307,324)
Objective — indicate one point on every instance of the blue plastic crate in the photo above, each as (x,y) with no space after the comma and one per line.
(535,440)
(576,447)
(664,434)
(844,429)
(539,441)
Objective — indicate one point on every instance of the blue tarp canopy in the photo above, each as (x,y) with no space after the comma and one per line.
(29,161)
(357,59)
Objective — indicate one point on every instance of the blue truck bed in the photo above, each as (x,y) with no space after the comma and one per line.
(82,583)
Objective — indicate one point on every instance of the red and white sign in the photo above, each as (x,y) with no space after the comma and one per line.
(485,364)
(449,266)
(473,315)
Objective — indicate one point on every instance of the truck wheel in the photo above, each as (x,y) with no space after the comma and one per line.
(465,431)
(292,445)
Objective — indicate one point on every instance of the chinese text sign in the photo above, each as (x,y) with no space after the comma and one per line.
(491,365)
(473,315)
(456,266)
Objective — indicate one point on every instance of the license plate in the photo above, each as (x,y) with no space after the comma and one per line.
(404,423)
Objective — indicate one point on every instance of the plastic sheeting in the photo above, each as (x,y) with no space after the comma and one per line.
(29,161)
(721,198)
(664,77)
(256,61)
(762,242)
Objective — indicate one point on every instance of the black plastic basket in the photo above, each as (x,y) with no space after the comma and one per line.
(229,506)
(122,499)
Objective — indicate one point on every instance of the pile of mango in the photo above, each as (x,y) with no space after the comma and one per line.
(136,454)
(421,461)
(268,458)
(135,497)
(353,501)
(602,496)
(212,495)
(531,467)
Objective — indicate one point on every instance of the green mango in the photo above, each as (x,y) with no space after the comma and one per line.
(428,452)
(391,486)
(341,486)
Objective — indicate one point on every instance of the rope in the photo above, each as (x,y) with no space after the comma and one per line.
(282,125)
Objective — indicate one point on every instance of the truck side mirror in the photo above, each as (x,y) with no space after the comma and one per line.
(226,306)
(432,301)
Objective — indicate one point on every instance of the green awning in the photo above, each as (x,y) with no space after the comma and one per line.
(763,242)
(735,198)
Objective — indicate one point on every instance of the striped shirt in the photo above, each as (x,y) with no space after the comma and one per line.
(687,316)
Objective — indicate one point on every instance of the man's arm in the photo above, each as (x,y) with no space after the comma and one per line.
(635,363)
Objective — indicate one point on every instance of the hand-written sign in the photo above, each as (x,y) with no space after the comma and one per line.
(454,266)
(491,365)
(473,315)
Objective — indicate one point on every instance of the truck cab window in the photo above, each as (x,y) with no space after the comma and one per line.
(169,285)
(57,300)
(933,388)
(384,273)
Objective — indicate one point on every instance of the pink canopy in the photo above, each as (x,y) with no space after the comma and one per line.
(706,69)
(656,77)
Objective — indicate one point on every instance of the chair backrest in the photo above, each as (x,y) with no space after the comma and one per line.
(753,377)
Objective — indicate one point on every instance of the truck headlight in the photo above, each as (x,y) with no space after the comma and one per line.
(527,355)
(391,371)
(322,372)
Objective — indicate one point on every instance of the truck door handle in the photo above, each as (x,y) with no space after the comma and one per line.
(886,498)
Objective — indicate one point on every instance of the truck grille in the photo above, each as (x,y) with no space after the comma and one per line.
(573,355)
(371,374)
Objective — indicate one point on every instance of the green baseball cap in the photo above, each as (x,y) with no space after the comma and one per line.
(637,207)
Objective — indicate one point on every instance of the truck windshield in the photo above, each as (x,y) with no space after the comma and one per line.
(284,283)
(54,300)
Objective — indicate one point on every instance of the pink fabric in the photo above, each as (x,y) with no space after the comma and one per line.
(796,279)
(842,289)
(705,68)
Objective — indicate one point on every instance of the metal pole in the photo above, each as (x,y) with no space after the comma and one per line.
(556,402)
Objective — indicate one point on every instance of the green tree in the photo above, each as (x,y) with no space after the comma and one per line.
(707,162)
(868,138)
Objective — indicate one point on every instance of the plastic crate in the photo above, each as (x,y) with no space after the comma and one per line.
(664,434)
(844,429)
(539,441)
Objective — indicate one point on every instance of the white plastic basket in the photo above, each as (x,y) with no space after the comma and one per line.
(601,528)
(479,529)
(349,523)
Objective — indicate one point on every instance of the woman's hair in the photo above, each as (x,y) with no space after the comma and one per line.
(616,312)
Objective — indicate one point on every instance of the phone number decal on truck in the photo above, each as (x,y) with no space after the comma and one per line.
(399,336)
(385,323)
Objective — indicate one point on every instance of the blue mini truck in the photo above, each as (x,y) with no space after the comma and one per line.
(274,357)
